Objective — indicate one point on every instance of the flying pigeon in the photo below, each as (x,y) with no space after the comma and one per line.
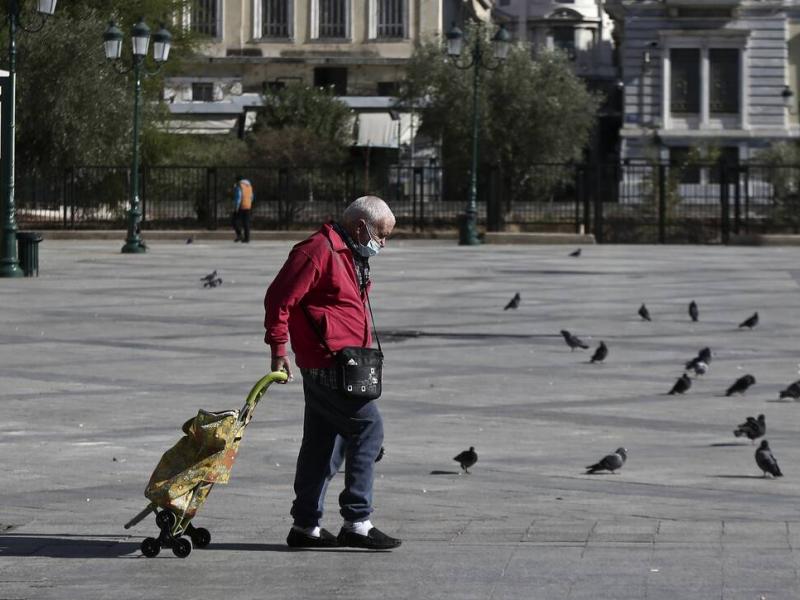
(766,462)
(600,354)
(752,428)
(610,462)
(211,276)
(792,391)
(740,385)
(750,321)
(644,313)
(693,312)
(704,356)
(699,367)
(514,302)
(381,454)
(573,341)
(467,458)
(681,386)
(576,253)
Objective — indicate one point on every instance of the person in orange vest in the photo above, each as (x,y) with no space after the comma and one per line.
(243,197)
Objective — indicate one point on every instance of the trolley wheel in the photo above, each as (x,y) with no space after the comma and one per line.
(201,537)
(181,547)
(165,520)
(150,547)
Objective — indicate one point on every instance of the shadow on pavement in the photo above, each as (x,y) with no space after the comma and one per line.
(445,473)
(728,444)
(64,546)
(739,476)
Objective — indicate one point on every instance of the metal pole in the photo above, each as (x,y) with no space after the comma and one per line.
(9,264)
(133,243)
(469,226)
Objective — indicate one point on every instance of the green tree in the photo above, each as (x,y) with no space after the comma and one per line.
(301,126)
(532,110)
(72,107)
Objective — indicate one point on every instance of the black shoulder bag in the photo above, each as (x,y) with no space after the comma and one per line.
(359,371)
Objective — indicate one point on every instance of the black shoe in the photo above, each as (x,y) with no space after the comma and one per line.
(238,239)
(298,539)
(374,540)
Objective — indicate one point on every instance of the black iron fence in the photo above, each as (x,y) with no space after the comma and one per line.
(621,202)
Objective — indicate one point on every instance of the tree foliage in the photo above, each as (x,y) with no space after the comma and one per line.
(532,110)
(301,126)
(72,107)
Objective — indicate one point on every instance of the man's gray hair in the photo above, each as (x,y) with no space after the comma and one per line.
(370,208)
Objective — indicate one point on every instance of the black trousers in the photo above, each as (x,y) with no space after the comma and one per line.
(241,224)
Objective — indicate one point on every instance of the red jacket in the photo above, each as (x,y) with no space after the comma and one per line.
(320,274)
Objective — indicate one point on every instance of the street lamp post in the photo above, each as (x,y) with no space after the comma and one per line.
(468,232)
(9,265)
(140,38)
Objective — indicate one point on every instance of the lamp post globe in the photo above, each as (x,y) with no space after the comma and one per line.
(112,42)
(162,41)
(47,7)
(140,38)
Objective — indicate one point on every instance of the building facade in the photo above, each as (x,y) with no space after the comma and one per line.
(715,78)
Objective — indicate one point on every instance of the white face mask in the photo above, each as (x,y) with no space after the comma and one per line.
(371,248)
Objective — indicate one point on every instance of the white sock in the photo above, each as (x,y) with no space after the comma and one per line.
(359,527)
(309,531)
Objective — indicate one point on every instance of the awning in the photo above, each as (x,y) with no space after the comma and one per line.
(379,130)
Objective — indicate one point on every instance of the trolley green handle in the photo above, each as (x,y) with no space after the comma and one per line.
(258,390)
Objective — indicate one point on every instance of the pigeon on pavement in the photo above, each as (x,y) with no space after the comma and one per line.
(576,253)
(189,240)
(740,385)
(210,276)
(573,341)
(514,302)
(699,364)
(693,311)
(610,462)
(766,462)
(791,391)
(644,313)
(750,321)
(681,386)
(752,428)
(600,354)
(467,458)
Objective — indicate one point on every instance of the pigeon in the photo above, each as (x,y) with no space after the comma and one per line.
(189,240)
(211,276)
(752,428)
(576,253)
(766,462)
(610,462)
(600,354)
(573,341)
(514,302)
(467,458)
(750,321)
(740,385)
(644,313)
(699,367)
(681,386)
(381,454)
(792,391)
(704,356)
(693,312)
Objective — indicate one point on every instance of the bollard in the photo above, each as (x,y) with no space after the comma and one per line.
(28,252)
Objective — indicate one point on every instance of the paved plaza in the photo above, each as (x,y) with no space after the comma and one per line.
(104,356)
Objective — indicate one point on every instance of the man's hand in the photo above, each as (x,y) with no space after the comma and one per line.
(281,363)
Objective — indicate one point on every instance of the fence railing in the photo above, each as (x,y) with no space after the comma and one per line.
(619,202)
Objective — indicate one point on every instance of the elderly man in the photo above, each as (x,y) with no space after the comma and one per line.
(318,299)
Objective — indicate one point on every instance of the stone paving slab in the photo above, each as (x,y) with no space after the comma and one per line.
(104,356)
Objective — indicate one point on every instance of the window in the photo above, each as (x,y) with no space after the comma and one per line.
(334,18)
(564,40)
(679,160)
(335,77)
(204,17)
(275,18)
(724,80)
(202,92)
(391,18)
(685,80)
(388,88)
